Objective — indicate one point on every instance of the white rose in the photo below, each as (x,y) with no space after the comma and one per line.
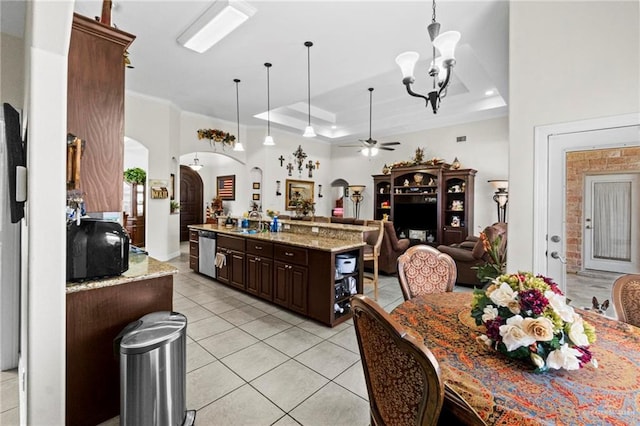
(490,313)
(503,295)
(513,336)
(564,357)
(559,304)
(576,332)
(484,339)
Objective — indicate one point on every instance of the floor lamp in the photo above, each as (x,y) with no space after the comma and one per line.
(356,197)
(501,197)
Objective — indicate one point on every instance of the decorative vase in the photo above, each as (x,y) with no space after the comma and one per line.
(456,164)
(418,178)
(385,170)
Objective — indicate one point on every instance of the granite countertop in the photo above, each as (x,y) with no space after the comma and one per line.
(141,267)
(294,239)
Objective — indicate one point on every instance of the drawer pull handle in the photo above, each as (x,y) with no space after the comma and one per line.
(288,254)
(258,247)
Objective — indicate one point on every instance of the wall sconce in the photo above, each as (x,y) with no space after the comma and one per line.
(501,197)
(278,193)
(356,197)
(319,191)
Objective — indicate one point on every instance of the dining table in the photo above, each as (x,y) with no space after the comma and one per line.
(506,391)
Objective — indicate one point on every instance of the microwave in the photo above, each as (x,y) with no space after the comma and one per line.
(96,248)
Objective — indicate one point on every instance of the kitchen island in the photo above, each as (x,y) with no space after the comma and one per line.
(296,269)
(97,310)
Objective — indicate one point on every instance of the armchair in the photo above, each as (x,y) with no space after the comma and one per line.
(471,253)
(391,249)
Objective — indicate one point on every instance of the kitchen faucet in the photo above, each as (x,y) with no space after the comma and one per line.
(253,214)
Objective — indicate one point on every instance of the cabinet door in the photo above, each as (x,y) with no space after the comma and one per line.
(223,272)
(236,277)
(453,235)
(253,274)
(298,289)
(280,294)
(265,282)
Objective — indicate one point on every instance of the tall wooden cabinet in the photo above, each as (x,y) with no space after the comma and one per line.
(95,109)
(427,204)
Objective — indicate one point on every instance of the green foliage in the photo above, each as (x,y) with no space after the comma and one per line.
(174,205)
(135,175)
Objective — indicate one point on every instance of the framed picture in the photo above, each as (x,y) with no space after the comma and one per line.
(417,234)
(298,190)
(172,186)
(256,185)
(256,197)
(226,187)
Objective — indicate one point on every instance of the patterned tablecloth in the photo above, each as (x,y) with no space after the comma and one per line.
(506,392)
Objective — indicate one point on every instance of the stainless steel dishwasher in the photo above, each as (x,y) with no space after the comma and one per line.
(207,255)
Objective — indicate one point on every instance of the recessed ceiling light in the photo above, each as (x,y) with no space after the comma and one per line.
(489,92)
(215,24)
(334,127)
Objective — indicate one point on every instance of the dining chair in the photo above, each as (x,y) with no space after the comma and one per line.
(372,250)
(402,375)
(423,269)
(625,295)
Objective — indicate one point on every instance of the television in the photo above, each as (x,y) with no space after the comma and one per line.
(10,136)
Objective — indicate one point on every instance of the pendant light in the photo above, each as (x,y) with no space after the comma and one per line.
(268,140)
(308,131)
(238,146)
(195,166)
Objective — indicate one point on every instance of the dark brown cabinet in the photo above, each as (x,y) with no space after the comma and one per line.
(260,269)
(427,204)
(291,277)
(95,109)
(194,251)
(232,272)
(134,207)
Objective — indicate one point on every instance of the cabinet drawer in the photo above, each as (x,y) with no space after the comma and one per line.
(290,254)
(233,243)
(194,248)
(194,263)
(259,248)
(193,235)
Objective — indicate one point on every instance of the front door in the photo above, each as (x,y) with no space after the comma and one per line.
(190,200)
(611,205)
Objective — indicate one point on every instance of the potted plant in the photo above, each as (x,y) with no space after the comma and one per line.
(174,206)
(135,175)
(304,206)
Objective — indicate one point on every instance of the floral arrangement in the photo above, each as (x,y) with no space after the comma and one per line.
(215,135)
(272,213)
(527,317)
(304,206)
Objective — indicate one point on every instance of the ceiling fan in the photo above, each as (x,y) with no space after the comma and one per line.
(370,146)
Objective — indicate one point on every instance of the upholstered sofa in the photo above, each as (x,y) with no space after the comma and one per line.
(471,253)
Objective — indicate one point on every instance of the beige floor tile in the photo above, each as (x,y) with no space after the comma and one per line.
(209,383)
(9,394)
(243,315)
(293,341)
(353,380)
(189,289)
(267,307)
(180,303)
(320,330)
(246,298)
(265,327)
(244,406)
(8,375)
(227,342)
(347,339)
(196,313)
(10,417)
(289,384)
(328,359)
(332,405)
(223,305)
(115,421)
(254,360)
(197,357)
(207,327)
(289,317)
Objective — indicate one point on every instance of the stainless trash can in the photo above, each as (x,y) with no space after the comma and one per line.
(153,371)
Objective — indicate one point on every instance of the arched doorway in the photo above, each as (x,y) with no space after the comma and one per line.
(190,200)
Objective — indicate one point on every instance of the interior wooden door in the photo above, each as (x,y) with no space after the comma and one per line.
(190,200)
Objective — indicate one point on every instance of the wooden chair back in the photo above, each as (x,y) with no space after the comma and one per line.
(625,295)
(423,269)
(402,375)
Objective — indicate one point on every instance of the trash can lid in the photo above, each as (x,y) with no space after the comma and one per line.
(151,331)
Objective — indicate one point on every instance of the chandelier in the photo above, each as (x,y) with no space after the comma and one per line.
(238,146)
(441,67)
(308,131)
(195,166)
(268,140)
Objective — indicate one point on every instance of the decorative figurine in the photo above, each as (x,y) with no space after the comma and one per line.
(456,164)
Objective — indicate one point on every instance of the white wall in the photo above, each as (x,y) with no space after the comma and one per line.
(12,70)
(486,150)
(581,62)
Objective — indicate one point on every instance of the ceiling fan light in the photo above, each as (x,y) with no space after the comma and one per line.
(309,132)
(407,62)
(238,147)
(195,166)
(446,44)
(268,141)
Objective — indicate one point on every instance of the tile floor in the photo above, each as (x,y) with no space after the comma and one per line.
(252,363)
